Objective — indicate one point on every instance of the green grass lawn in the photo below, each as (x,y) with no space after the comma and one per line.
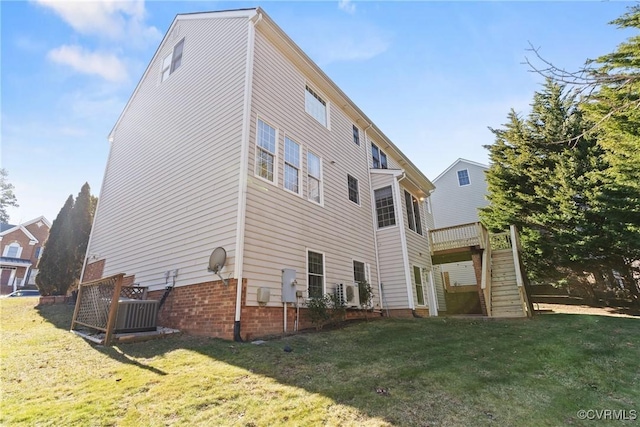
(434,372)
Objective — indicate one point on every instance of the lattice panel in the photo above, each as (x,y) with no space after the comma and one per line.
(94,304)
(133,292)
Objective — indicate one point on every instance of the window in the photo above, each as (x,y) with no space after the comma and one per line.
(13,250)
(291,165)
(413,212)
(266,153)
(38,252)
(384,207)
(314,176)
(379,158)
(418,279)
(315,106)
(359,274)
(354,193)
(356,135)
(172,61)
(463,177)
(315,266)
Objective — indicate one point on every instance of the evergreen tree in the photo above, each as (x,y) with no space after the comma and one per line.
(65,249)
(615,107)
(543,187)
(81,218)
(53,268)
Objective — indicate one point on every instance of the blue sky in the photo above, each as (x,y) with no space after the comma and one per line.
(432,75)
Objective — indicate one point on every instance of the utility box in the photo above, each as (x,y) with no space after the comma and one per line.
(289,285)
(264,294)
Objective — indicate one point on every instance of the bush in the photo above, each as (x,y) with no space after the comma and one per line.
(326,309)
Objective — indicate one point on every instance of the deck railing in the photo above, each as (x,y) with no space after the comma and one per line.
(457,236)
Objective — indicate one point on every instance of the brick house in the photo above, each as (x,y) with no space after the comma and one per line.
(21,247)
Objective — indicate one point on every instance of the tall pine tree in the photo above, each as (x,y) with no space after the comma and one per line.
(53,267)
(544,187)
(615,107)
(64,252)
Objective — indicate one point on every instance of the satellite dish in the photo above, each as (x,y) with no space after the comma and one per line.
(216,262)
(217,259)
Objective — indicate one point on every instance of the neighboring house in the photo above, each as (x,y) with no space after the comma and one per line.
(234,138)
(461,190)
(21,248)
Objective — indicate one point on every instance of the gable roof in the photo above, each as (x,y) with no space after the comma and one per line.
(285,44)
(8,228)
(460,160)
(5,227)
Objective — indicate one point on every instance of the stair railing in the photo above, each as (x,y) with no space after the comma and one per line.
(527,307)
(485,283)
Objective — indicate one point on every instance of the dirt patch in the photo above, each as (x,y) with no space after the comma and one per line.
(543,308)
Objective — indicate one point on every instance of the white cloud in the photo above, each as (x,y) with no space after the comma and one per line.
(347,6)
(105,65)
(112,19)
(341,40)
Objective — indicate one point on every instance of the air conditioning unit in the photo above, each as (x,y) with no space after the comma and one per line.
(348,294)
(136,315)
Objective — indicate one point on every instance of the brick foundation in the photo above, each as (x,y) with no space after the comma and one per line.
(208,309)
(202,309)
(93,271)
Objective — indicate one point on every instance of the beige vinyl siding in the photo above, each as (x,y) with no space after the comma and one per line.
(392,265)
(417,248)
(460,273)
(453,204)
(170,190)
(439,284)
(280,225)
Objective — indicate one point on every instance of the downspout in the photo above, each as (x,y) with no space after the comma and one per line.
(373,216)
(403,241)
(243,181)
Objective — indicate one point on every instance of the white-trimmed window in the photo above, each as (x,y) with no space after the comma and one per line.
(417,276)
(172,61)
(291,165)
(356,135)
(315,106)
(266,142)
(463,177)
(379,159)
(385,210)
(315,274)
(314,177)
(413,212)
(12,250)
(354,192)
(359,272)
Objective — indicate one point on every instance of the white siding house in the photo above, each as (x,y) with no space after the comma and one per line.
(234,138)
(461,190)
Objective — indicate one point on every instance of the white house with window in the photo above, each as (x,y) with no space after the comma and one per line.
(461,190)
(234,138)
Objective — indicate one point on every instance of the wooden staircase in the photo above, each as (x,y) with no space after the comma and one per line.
(506,300)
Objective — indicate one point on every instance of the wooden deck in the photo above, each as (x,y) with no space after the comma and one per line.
(455,237)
